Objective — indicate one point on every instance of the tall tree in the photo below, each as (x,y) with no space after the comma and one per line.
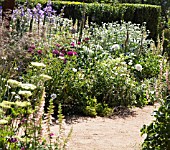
(7,8)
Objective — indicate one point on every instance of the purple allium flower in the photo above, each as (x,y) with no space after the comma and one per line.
(71,53)
(63,51)
(78,42)
(51,134)
(30,50)
(39,52)
(86,39)
(58,45)
(56,52)
(72,44)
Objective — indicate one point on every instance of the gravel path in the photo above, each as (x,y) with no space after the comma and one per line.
(110,134)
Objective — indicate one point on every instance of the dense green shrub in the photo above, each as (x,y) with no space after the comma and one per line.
(158,132)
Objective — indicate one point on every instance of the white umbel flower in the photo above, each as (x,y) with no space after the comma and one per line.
(25,93)
(14,83)
(37,64)
(28,86)
(45,77)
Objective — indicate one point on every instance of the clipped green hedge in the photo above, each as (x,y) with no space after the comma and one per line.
(98,13)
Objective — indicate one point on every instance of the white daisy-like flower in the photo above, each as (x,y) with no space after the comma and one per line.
(37,64)
(25,93)
(138,67)
(53,96)
(14,83)
(28,86)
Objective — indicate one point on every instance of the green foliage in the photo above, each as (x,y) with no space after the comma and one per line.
(158,132)
(166,44)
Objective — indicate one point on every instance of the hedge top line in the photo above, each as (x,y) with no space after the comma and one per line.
(95,3)
(83,3)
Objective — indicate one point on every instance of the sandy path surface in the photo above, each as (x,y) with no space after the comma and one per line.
(110,134)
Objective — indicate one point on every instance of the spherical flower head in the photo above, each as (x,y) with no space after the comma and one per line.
(58,45)
(28,86)
(138,67)
(86,39)
(63,51)
(30,50)
(37,64)
(51,134)
(39,52)
(72,44)
(26,94)
(78,42)
(71,53)
(14,83)
(56,52)
(45,77)
(115,47)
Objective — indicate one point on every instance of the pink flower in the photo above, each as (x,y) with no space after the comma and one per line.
(56,52)
(51,134)
(39,52)
(63,51)
(78,42)
(32,46)
(58,45)
(71,53)
(86,39)
(30,50)
(72,44)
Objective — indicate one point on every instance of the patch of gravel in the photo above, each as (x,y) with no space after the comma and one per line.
(116,133)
